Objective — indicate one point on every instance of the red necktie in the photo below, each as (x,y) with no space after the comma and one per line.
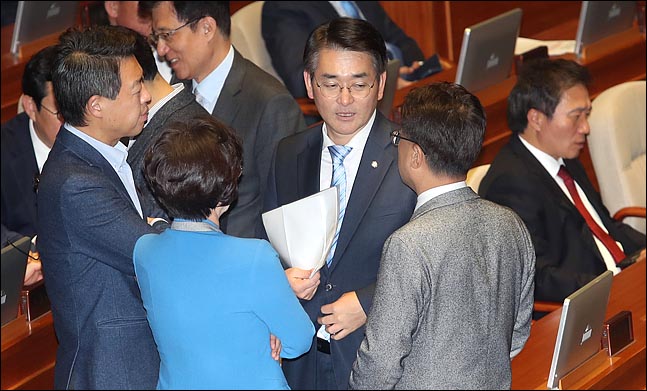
(605,238)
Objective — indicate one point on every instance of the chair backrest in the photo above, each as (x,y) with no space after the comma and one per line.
(247,38)
(475,175)
(617,147)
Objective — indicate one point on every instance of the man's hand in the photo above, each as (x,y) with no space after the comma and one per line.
(343,316)
(34,272)
(303,286)
(275,346)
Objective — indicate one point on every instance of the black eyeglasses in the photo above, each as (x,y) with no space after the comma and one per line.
(395,139)
(154,38)
(55,113)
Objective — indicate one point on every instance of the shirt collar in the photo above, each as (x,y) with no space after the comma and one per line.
(116,155)
(41,150)
(357,142)
(434,192)
(548,162)
(211,86)
(157,106)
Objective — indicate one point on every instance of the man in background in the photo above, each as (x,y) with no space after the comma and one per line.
(26,142)
(287,24)
(345,71)
(537,174)
(454,296)
(194,37)
(168,103)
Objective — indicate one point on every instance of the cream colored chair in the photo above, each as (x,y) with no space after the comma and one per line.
(617,147)
(247,38)
(475,175)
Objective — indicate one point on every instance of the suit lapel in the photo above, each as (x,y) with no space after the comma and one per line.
(228,103)
(93,158)
(309,162)
(367,182)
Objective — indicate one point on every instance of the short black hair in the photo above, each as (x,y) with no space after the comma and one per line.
(194,10)
(193,167)
(88,63)
(448,123)
(348,34)
(145,57)
(540,86)
(38,71)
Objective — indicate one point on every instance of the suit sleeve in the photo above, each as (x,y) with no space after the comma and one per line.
(111,224)
(392,32)
(282,117)
(277,306)
(521,331)
(285,44)
(393,319)
(554,274)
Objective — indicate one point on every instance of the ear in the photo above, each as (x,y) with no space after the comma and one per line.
(207,26)
(535,119)
(112,9)
(417,157)
(380,92)
(308,80)
(29,106)
(94,106)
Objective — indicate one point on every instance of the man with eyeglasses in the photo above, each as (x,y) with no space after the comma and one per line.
(345,70)
(193,36)
(26,141)
(457,280)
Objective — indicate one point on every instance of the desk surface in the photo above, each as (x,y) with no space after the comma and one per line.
(625,370)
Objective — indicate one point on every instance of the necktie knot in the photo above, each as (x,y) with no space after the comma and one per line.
(339,153)
(565,175)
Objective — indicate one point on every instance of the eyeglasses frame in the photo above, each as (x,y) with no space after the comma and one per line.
(395,139)
(155,37)
(347,87)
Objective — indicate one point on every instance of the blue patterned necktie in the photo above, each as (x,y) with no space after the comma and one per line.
(338,154)
(352,11)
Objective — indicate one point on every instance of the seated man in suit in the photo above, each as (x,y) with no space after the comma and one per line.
(442,258)
(194,36)
(89,215)
(168,103)
(26,141)
(345,71)
(287,24)
(538,175)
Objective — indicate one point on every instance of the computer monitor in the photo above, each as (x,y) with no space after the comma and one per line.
(580,327)
(37,19)
(487,51)
(14,264)
(600,19)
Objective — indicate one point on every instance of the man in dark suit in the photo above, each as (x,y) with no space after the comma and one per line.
(193,36)
(345,64)
(26,141)
(287,24)
(169,103)
(547,113)
(90,216)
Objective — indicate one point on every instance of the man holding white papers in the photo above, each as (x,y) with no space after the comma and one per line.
(345,63)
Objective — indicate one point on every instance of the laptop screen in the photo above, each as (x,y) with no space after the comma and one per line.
(14,264)
(580,327)
(37,19)
(600,19)
(487,51)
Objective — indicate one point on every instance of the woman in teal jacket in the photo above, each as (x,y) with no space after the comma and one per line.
(212,300)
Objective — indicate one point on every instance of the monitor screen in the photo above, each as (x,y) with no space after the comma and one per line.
(579,336)
(37,19)
(487,51)
(600,19)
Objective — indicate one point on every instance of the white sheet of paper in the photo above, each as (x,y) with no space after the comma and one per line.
(302,231)
(555,48)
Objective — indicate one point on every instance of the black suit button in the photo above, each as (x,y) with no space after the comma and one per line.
(328,287)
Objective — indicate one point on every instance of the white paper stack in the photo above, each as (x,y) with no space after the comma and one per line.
(302,232)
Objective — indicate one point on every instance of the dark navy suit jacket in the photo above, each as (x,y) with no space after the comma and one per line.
(19,168)
(567,256)
(379,204)
(87,229)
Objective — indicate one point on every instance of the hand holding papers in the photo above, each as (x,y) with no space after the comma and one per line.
(302,232)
